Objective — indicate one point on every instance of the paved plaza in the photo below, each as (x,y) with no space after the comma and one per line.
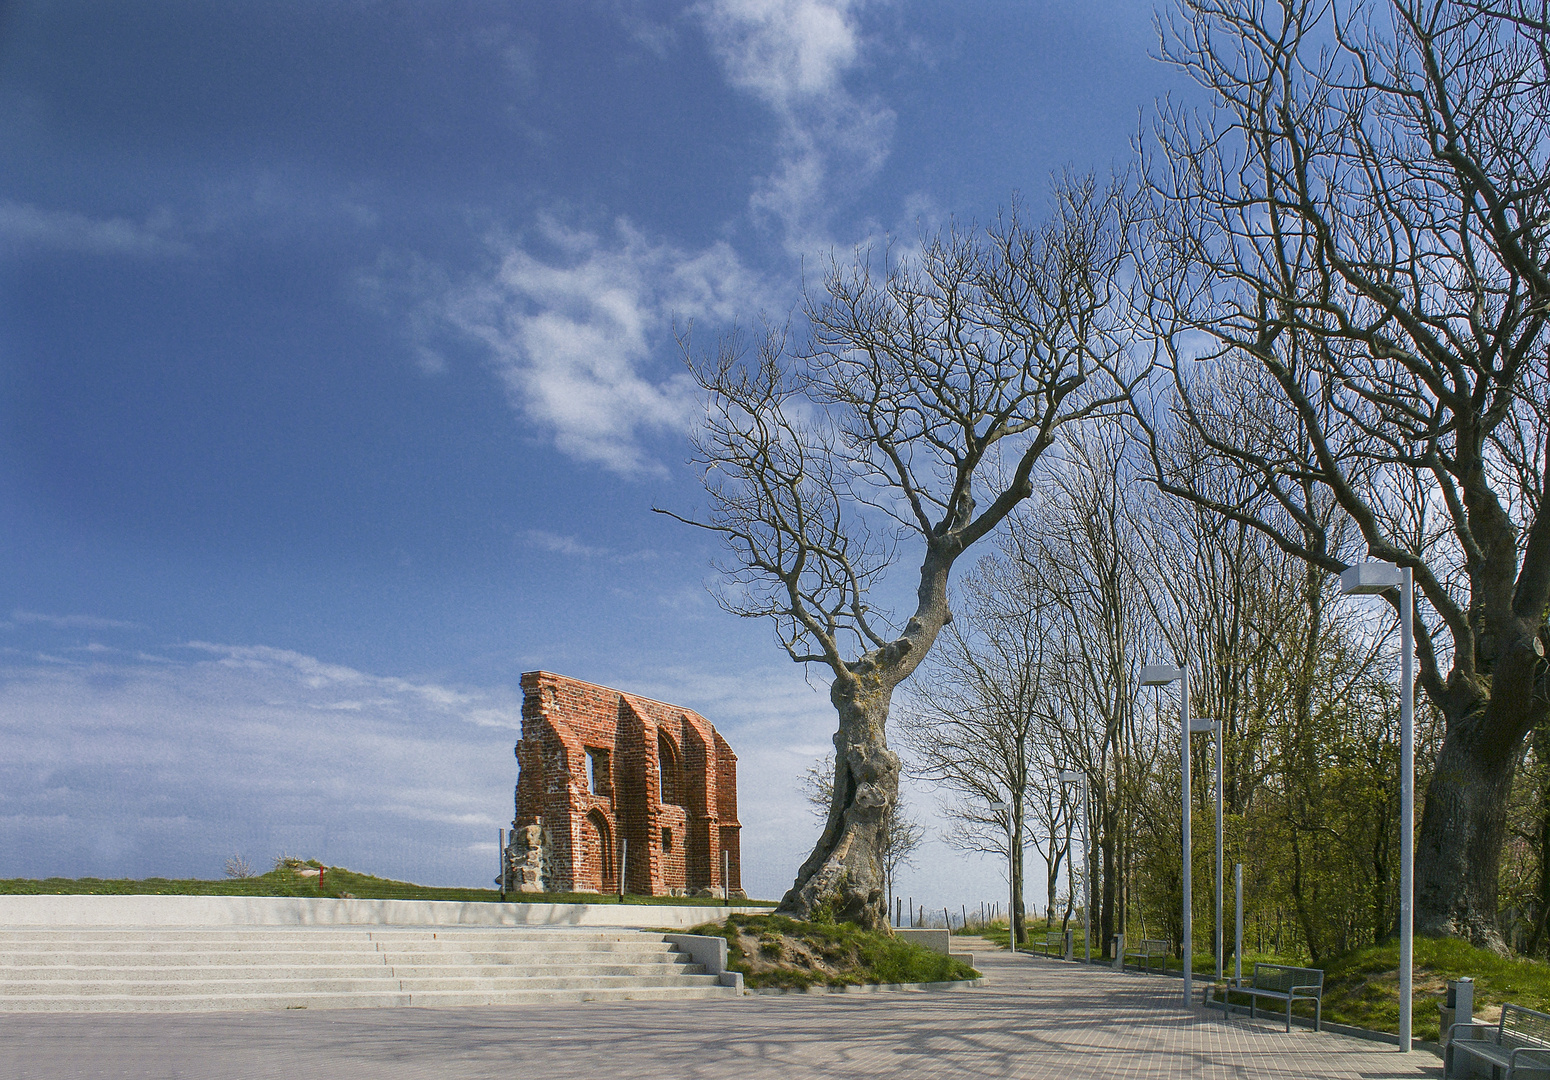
(1034,1018)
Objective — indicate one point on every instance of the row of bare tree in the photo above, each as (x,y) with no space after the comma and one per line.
(1307,327)
(1038,676)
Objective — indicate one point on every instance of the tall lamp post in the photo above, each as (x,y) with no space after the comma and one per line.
(1011,869)
(1369,579)
(1215,728)
(1162,675)
(1069,776)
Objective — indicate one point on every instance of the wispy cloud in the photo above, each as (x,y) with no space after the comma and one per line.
(793,55)
(576,323)
(70,622)
(111,766)
(564,545)
(24,225)
(560,544)
(320,677)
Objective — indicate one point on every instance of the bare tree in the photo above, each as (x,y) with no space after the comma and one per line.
(902,834)
(876,429)
(1078,551)
(1347,279)
(972,720)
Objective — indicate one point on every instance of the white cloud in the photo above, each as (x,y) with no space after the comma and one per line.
(71,622)
(576,333)
(113,767)
(24,225)
(793,56)
(563,545)
(560,544)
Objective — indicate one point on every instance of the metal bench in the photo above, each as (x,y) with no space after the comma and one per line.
(1148,949)
(1054,944)
(1518,1042)
(1279,982)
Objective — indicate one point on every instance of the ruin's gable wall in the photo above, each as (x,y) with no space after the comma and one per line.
(613,777)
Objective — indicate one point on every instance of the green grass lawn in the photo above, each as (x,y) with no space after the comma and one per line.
(337,881)
(772,950)
(1362,987)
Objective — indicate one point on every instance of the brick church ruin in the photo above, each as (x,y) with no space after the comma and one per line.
(608,780)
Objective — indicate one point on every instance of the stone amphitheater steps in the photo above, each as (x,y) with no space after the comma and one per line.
(198,970)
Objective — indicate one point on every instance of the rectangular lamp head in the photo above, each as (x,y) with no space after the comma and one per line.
(1197,725)
(1068,777)
(1368,578)
(1159,675)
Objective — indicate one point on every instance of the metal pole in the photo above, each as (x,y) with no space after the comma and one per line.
(1189,922)
(500,847)
(1087,872)
(624,862)
(1406,802)
(1011,890)
(726,875)
(1237,948)
(1219,728)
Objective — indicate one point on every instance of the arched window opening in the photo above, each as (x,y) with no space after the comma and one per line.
(597,870)
(669,769)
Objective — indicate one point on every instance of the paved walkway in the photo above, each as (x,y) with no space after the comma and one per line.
(1036,1018)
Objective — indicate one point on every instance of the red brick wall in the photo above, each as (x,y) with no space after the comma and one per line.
(561,719)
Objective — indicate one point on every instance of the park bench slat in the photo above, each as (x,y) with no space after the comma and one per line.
(1518,1042)
(1148,949)
(1054,943)
(1280,982)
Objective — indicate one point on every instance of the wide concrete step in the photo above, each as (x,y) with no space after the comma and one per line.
(334,949)
(174,969)
(219,970)
(173,953)
(426,999)
(227,934)
(306,983)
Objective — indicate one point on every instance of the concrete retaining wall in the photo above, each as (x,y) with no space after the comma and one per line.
(938,941)
(324,911)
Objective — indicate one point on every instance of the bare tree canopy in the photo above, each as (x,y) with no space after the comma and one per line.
(1346,274)
(912,409)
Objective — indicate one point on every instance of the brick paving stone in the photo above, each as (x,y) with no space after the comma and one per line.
(1036,1018)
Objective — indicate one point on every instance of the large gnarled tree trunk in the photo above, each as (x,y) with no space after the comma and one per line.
(843,877)
(1463,824)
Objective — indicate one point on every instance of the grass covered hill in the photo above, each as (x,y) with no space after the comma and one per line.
(1362,987)
(772,950)
(302,878)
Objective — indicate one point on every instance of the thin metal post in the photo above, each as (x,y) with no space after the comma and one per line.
(1219,733)
(624,862)
(1087,871)
(1406,801)
(1237,947)
(726,875)
(1011,888)
(1189,897)
(1012,810)
(500,847)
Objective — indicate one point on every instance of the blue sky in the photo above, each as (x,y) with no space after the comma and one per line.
(338,378)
